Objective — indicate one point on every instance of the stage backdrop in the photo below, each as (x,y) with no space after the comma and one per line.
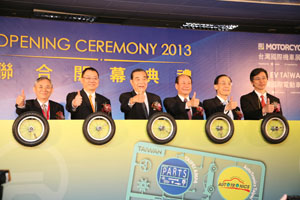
(31,48)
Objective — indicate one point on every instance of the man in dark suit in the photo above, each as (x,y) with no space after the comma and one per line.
(182,106)
(259,103)
(43,89)
(82,103)
(139,104)
(220,103)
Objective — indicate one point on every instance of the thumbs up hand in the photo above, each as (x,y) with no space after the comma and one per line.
(77,101)
(21,99)
(268,108)
(231,105)
(194,102)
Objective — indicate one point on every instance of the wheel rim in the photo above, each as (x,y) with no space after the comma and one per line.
(162,128)
(220,128)
(99,128)
(275,128)
(31,129)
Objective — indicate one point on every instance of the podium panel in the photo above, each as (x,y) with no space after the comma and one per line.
(130,166)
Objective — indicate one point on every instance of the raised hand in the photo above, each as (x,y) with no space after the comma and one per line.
(77,101)
(139,98)
(194,102)
(268,108)
(21,99)
(231,104)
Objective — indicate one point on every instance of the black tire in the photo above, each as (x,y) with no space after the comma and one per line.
(209,123)
(153,120)
(22,121)
(88,122)
(266,132)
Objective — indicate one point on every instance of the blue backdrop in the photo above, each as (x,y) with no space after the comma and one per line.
(30,48)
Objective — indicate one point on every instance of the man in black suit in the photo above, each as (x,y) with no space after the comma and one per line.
(82,103)
(259,103)
(182,106)
(220,103)
(43,89)
(139,104)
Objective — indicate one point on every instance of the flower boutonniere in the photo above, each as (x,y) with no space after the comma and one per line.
(239,114)
(106,108)
(276,106)
(156,106)
(59,115)
(199,111)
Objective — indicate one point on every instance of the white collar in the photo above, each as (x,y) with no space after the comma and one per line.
(88,94)
(47,103)
(182,98)
(222,100)
(259,94)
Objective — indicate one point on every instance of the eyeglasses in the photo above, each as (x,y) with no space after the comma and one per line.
(258,79)
(91,78)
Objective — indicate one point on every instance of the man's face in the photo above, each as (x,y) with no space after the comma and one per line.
(43,90)
(223,87)
(90,81)
(184,86)
(139,81)
(260,81)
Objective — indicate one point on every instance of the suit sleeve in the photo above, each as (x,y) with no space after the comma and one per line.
(209,108)
(250,113)
(70,98)
(19,111)
(173,107)
(124,99)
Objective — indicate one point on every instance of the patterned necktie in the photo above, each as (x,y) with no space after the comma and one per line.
(263,103)
(44,107)
(189,112)
(91,102)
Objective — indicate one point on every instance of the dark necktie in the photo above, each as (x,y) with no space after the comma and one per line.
(189,112)
(145,110)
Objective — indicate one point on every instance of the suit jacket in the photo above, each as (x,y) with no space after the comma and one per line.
(82,111)
(214,105)
(137,111)
(251,105)
(33,105)
(176,108)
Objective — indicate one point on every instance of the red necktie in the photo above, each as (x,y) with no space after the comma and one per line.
(263,103)
(189,110)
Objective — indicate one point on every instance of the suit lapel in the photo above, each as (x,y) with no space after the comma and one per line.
(86,100)
(255,100)
(38,106)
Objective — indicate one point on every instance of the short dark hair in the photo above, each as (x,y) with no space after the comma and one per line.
(89,68)
(138,70)
(256,71)
(43,78)
(177,78)
(216,81)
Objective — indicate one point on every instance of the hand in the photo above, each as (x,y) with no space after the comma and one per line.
(231,105)
(139,98)
(194,102)
(77,100)
(268,108)
(21,99)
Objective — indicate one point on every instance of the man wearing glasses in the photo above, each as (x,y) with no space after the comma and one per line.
(222,102)
(259,103)
(82,103)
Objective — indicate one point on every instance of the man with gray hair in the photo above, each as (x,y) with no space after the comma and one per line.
(43,89)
